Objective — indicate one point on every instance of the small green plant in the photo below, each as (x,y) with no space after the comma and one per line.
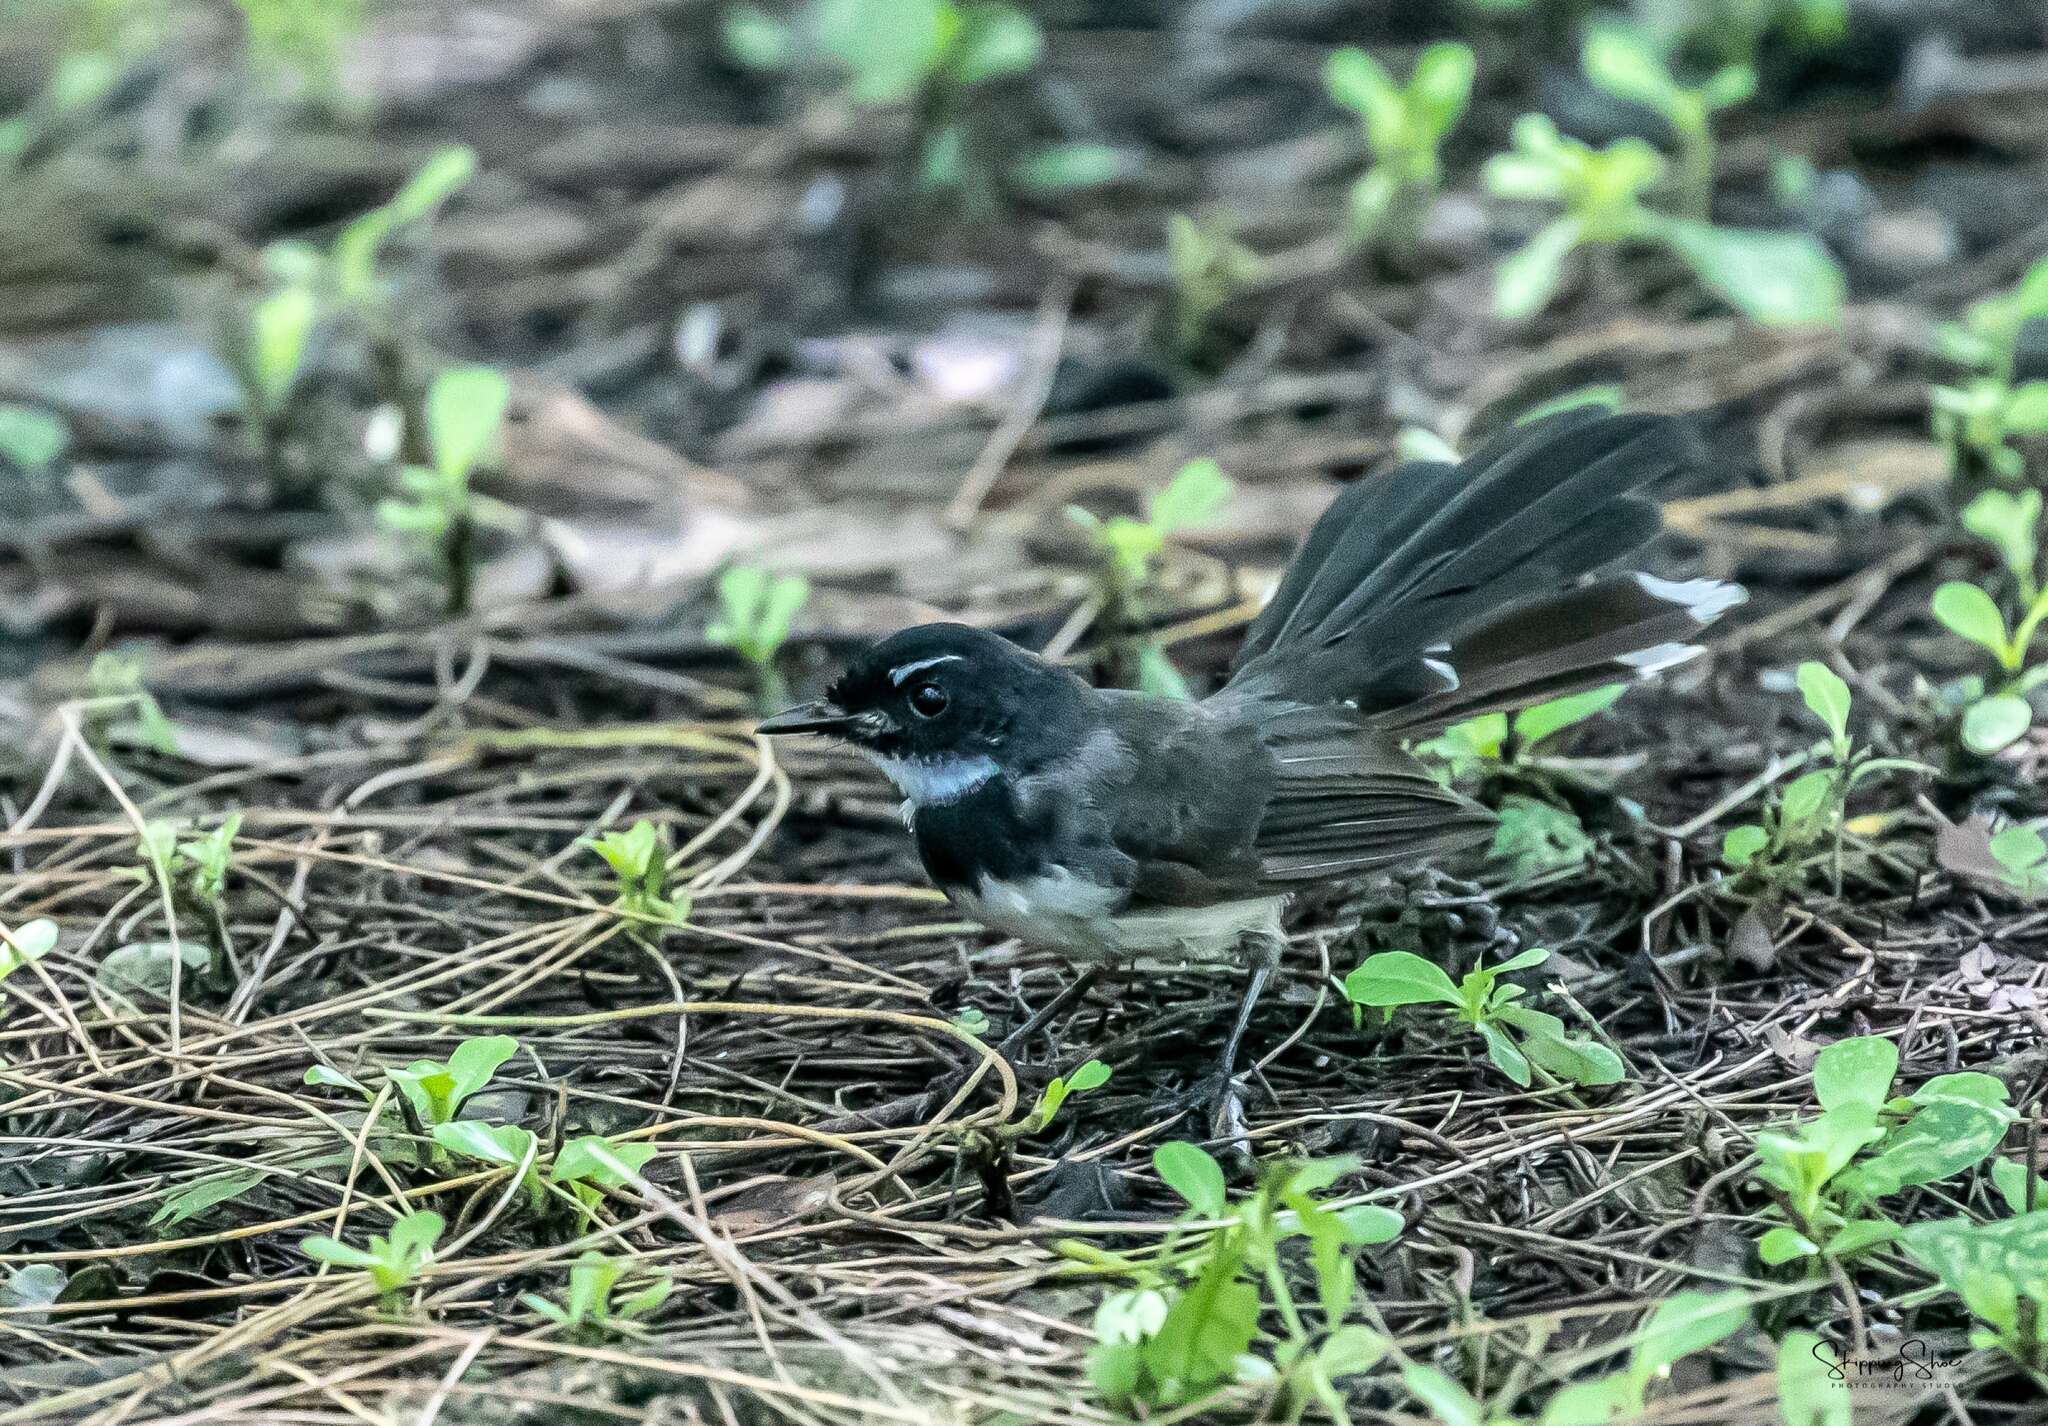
(592,1309)
(1128,550)
(205,860)
(304,37)
(1405,127)
(2000,1272)
(116,681)
(1091,1075)
(1192,1323)
(933,56)
(1208,268)
(465,407)
(1680,1325)
(756,610)
(1979,417)
(267,357)
(1996,717)
(1507,741)
(2022,855)
(1827,1174)
(1811,809)
(1625,61)
(638,858)
(1519,1040)
(392,1262)
(31,439)
(434,1090)
(1770,277)
(30,941)
(592,1165)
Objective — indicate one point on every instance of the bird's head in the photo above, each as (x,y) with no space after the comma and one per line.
(942,694)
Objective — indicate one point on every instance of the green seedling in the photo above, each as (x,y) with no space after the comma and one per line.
(2022,857)
(267,355)
(1827,1174)
(306,38)
(1127,552)
(591,1166)
(931,56)
(209,1192)
(465,407)
(1812,807)
(205,859)
(505,1145)
(1092,1075)
(1209,269)
(593,1310)
(30,941)
(432,1090)
(1773,278)
(1996,717)
(639,860)
(1979,416)
(1677,1327)
(756,610)
(2000,1272)
(1405,127)
(31,439)
(392,1262)
(2023,1192)
(1519,1040)
(1192,1324)
(1625,61)
(353,266)
(116,681)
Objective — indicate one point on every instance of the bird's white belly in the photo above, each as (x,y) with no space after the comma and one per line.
(1074,914)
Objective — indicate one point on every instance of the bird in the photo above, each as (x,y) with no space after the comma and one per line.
(1109,824)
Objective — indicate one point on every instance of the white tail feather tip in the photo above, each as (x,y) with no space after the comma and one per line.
(1704,599)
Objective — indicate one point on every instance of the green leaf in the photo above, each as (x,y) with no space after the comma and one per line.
(1535,837)
(1400,978)
(1206,1329)
(1506,1058)
(889,46)
(1368,1224)
(1194,497)
(30,941)
(30,437)
(357,247)
(2020,850)
(413,1236)
(465,407)
(1809,1391)
(474,1061)
(1858,1236)
(755,39)
(1827,698)
(1990,725)
(1855,1071)
(996,40)
(1940,1141)
(1361,83)
(1774,278)
(1350,1350)
(1070,168)
(145,968)
(1526,279)
(1592,1403)
(1805,799)
(506,1144)
(1190,1172)
(1621,60)
(279,328)
(1782,1245)
(323,1249)
(1682,1324)
(2009,1177)
(332,1078)
(1092,1075)
(2026,410)
(194,1199)
(1533,725)
(1740,845)
(1452,1404)
(1578,1059)
(594,1159)
(1440,89)
(1967,611)
(2011,523)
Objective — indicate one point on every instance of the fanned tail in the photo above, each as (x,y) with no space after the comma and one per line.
(1442,592)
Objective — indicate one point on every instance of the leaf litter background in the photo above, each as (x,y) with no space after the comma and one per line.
(732,337)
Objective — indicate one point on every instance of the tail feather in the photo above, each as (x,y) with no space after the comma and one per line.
(1445,591)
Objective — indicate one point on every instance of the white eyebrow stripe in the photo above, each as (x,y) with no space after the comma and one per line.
(898,675)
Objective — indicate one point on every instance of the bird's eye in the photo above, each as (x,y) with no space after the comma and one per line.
(928,700)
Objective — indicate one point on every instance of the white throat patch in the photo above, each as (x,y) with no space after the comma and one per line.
(933,782)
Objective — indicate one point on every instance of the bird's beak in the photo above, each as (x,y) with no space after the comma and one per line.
(819,717)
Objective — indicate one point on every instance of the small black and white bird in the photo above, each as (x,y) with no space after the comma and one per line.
(1110,824)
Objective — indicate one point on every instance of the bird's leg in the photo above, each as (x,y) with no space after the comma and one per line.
(1226,1110)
